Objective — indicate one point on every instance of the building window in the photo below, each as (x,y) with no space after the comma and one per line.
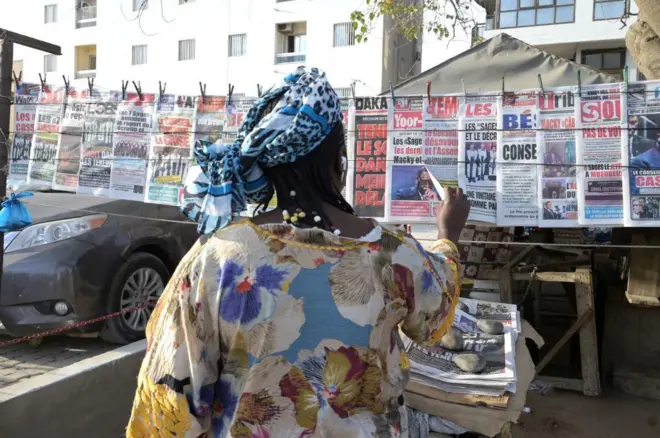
(522,13)
(50,63)
(140,4)
(139,54)
(344,92)
(292,42)
(50,14)
(344,35)
(238,44)
(609,9)
(608,61)
(186,50)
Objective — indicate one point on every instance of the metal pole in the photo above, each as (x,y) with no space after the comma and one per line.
(6,64)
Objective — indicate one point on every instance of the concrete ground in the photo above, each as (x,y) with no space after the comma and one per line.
(19,362)
(562,414)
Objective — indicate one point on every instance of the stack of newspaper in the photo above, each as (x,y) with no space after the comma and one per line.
(488,381)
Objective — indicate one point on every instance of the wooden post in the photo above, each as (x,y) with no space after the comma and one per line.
(6,64)
(584,293)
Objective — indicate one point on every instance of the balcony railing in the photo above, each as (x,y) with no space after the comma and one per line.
(86,17)
(283,58)
(83,74)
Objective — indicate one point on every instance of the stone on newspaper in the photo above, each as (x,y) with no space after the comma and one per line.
(490,327)
(470,363)
(452,340)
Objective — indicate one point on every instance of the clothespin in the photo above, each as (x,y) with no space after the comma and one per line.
(90,85)
(579,78)
(463,85)
(138,90)
(259,90)
(66,84)
(43,81)
(161,90)
(202,91)
(625,78)
(428,91)
(392,92)
(17,79)
(230,91)
(353,90)
(124,87)
(503,92)
(541,85)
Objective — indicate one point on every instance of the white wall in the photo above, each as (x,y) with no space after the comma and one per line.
(436,51)
(209,22)
(584,29)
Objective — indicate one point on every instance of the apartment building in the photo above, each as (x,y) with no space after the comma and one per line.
(590,32)
(217,42)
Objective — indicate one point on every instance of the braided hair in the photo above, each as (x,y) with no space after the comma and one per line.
(305,185)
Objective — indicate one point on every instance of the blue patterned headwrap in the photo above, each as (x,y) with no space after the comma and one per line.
(305,109)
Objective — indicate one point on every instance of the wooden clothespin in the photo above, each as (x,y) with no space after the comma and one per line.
(541,85)
(43,81)
(463,86)
(138,90)
(353,90)
(124,87)
(161,90)
(625,79)
(503,90)
(66,84)
(17,79)
(260,90)
(392,92)
(428,91)
(202,91)
(90,86)
(579,78)
(230,92)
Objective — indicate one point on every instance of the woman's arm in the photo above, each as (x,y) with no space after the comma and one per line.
(176,382)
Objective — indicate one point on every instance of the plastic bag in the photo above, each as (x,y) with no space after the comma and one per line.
(14,216)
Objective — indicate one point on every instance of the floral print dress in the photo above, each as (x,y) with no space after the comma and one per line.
(276,332)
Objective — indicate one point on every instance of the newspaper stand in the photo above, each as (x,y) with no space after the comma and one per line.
(585,324)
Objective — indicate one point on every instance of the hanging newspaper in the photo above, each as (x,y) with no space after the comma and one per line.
(641,145)
(170,154)
(599,175)
(41,171)
(210,119)
(557,184)
(477,146)
(130,147)
(71,136)
(440,150)
(236,110)
(517,176)
(367,157)
(25,114)
(412,196)
(96,164)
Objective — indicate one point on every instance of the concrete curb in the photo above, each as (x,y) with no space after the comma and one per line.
(92,397)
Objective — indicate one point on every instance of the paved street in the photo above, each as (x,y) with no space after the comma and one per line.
(21,361)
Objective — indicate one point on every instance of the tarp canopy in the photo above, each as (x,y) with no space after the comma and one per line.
(483,66)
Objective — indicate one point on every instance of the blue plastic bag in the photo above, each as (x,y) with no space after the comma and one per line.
(14,216)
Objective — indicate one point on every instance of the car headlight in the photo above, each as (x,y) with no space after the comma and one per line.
(55,231)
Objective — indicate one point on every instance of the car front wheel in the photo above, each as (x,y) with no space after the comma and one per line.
(135,289)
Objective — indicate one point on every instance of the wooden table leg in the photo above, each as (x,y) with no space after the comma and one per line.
(584,293)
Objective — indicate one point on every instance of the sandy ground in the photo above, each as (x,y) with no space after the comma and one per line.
(571,415)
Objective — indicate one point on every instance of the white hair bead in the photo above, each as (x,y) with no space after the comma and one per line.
(317,219)
(337,232)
